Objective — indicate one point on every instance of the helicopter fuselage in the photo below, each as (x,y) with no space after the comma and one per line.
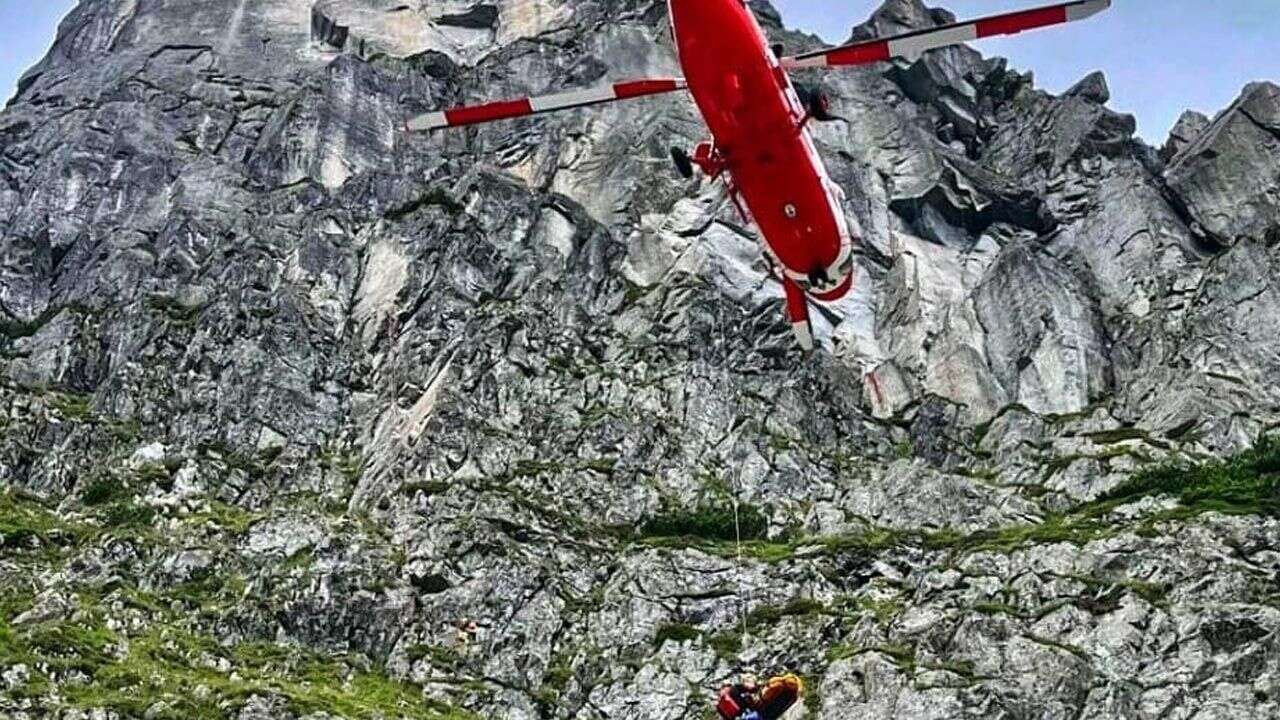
(762,141)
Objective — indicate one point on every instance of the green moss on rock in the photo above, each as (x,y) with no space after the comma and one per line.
(709,522)
(170,672)
(676,632)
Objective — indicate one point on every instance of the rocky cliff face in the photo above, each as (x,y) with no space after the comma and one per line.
(287,395)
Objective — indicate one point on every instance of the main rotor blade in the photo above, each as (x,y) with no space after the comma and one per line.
(913,44)
(546,103)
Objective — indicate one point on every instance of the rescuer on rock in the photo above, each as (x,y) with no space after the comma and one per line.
(747,700)
(739,701)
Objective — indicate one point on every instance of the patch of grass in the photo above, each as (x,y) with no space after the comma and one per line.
(769,616)
(867,542)
(427,487)
(1154,593)
(559,672)
(604,466)
(984,474)
(634,294)
(439,656)
(765,551)
(231,518)
(1060,463)
(883,610)
(761,550)
(18,329)
(779,443)
(64,647)
(175,311)
(13,602)
(157,472)
(73,407)
(533,468)
(209,590)
(709,522)
(583,604)
(1111,437)
(980,432)
(843,651)
(115,505)
(964,668)
(1065,418)
(103,490)
(23,520)
(348,464)
(308,683)
(812,697)
(864,543)
(1055,528)
(546,696)
(1070,649)
(904,656)
(1034,492)
(996,608)
(1245,484)
(14,329)
(255,465)
(303,560)
(727,645)
(677,632)
(127,516)
(845,463)
(1111,591)
(125,431)
(268,456)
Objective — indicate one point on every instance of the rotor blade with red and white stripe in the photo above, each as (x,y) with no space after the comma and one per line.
(912,45)
(547,103)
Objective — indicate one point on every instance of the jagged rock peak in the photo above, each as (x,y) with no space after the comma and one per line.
(896,16)
(1093,87)
(1226,177)
(766,13)
(1184,132)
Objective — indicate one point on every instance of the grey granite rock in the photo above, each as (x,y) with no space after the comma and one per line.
(302,416)
(1184,132)
(1226,177)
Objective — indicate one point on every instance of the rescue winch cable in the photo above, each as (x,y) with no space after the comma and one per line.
(744,603)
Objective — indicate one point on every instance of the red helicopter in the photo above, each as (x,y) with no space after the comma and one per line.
(761,144)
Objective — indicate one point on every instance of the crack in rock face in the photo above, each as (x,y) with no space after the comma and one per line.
(305,417)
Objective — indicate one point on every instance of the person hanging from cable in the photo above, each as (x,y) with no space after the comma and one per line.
(738,701)
(747,700)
